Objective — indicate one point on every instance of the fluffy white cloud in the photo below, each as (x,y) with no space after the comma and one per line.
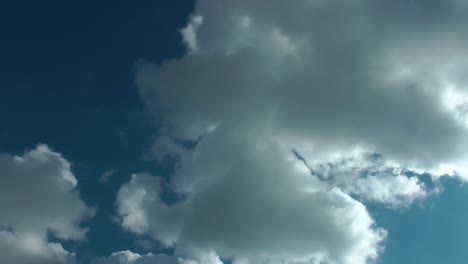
(248,200)
(366,93)
(375,76)
(371,178)
(38,195)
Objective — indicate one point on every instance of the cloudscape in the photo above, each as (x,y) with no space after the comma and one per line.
(234,132)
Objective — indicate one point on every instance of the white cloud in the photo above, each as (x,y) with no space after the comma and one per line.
(371,178)
(247,201)
(394,191)
(128,257)
(340,87)
(189,33)
(38,195)
(339,82)
(24,249)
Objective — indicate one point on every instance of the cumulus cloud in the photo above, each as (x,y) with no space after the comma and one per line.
(375,76)
(37,196)
(250,201)
(22,249)
(301,113)
(371,178)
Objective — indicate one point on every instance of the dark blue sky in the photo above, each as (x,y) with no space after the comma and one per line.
(62,61)
(66,80)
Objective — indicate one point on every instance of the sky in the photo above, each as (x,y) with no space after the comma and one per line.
(233,132)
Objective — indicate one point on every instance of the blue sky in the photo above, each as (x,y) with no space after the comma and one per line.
(233,132)
(432,232)
(67,81)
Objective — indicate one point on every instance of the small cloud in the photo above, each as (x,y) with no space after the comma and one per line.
(105,177)
(189,33)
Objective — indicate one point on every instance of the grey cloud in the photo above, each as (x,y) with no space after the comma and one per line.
(38,195)
(249,200)
(340,89)
(334,80)
(31,250)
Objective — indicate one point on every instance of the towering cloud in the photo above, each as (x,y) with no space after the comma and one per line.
(300,113)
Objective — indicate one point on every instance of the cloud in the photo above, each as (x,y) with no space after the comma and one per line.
(371,178)
(128,257)
(301,113)
(189,33)
(105,177)
(376,76)
(38,196)
(251,201)
(23,249)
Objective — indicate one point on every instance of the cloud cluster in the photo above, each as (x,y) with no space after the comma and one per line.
(37,197)
(251,202)
(387,77)
(370,177)
(301,113)
(128,257)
